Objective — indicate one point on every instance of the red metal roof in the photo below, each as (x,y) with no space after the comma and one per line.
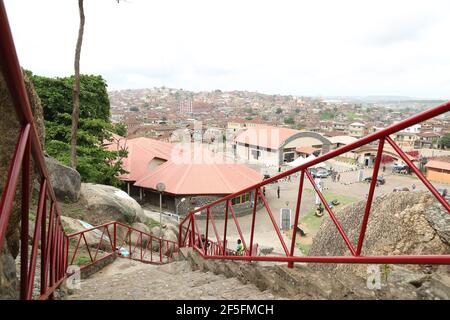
(435,164)
(141,151)
(192,177)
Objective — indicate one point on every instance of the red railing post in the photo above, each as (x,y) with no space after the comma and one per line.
(206,236)
(25,213)
(373,184)
(332,216)
(44,247)
(252,230)
(297,214)
(115,236)
(227,203)
(274,223)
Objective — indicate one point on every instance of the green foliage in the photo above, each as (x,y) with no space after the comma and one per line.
(95,164)
(289,120)
(82,260)
(134,109)
(279,110)
(445,141)
(248,110)
(121,129)
(327,115)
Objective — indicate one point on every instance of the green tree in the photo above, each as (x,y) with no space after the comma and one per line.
(289,120)
(279,110)
(94,163)
(445,141)
(121,129)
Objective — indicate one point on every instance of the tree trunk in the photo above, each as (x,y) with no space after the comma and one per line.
(76,90)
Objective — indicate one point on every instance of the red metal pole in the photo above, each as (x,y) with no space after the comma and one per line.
(9,190)
(423,259)
(277,229)
(327,207)
(238,227)
(160,251)
(215,231)
(419,174)
(227,203)
(206,236)
(252,230)
(25,221)
(373,184)
(44,247)
(115,236)
(36,234)
(297,214)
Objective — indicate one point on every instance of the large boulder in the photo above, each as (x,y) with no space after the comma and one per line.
(107,203)
(401,223)
(66,181)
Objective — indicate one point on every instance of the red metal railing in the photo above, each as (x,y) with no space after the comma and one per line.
(191,236)
(100,242)
(50,244)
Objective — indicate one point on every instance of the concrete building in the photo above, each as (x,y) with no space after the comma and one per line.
(356,129)
(438,171)
(275,146)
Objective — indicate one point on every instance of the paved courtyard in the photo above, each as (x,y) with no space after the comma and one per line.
(348,189)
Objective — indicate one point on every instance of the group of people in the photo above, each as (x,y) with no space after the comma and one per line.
(239,248)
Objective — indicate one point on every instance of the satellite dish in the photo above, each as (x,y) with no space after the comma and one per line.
(160,187)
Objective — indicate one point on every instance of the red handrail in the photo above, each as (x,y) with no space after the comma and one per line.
(355,253)
(111,241)
(49,240)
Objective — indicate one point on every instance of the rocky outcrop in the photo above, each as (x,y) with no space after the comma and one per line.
(9,133)
(9,283)
(66,181)
(401,223)
(107,203)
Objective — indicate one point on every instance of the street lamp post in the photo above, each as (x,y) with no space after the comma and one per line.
(176,207)
(160,187)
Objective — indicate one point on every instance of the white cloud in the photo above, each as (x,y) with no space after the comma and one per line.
(331,47)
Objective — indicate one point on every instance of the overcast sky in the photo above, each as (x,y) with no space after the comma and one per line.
(298,47)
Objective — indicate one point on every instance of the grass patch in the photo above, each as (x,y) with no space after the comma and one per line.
(82,260)
(304,248)
(311,221)
(151,223)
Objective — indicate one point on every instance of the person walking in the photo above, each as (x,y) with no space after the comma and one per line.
(338,177)
(278,192)
(264,191)
(239,248)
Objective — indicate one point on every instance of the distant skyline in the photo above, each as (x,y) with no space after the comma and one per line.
(309,48)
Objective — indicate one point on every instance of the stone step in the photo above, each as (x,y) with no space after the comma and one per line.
(126,279)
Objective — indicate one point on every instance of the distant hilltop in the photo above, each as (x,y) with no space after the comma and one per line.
(383,99)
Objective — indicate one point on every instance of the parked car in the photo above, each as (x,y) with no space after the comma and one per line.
(400,168)
(380,180)
(320,173)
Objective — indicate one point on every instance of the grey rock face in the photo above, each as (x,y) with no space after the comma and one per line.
(66,181)
(108,203)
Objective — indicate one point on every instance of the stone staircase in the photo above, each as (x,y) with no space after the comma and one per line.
(128,279)
(192,277)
